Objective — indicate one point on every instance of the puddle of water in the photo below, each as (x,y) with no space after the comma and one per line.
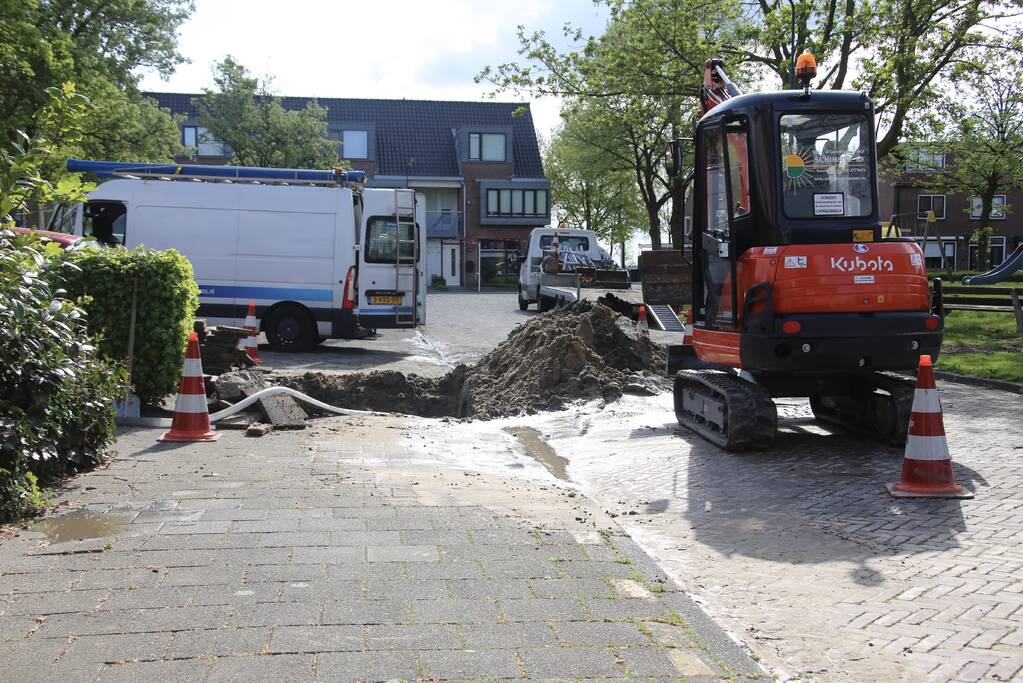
(169,516)
(540,450)
(80,525)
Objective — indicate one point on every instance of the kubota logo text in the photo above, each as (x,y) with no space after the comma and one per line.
(862,265)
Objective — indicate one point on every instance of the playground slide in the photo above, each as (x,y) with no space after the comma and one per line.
(1000,272)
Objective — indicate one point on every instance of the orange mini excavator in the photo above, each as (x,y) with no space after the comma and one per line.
(794,291)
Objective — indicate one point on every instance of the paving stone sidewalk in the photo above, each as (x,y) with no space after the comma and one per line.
(279,559)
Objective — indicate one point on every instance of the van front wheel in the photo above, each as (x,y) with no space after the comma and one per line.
(291,328)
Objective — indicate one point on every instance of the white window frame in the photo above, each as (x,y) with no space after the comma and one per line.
(923,214)
(976,208)
(995,241)
(949,245)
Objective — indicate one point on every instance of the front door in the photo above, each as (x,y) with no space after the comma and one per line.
(449,264)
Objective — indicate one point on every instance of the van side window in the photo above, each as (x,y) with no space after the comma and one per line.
(106,221)
(381,238)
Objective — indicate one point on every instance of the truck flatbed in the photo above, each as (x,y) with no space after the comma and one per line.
(562,290)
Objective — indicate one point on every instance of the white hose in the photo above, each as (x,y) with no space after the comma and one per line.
(270,391)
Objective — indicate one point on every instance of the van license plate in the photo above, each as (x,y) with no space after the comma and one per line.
(385,300)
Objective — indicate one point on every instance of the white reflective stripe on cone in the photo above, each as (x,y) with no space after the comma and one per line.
(193,368)
(250,322)
(247,341)
(926,448)
(926,401)
(190,403)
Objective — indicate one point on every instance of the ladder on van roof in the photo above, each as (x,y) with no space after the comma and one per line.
(406,262)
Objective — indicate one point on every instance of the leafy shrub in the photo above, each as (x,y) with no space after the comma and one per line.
(438,282)
(56,395)
(167,300)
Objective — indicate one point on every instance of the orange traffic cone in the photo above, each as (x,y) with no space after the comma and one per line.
(642,324)
(191,415)
(927,468)
(250,345)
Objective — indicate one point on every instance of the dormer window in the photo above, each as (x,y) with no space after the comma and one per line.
(486,147)
(199,142)
(354,143)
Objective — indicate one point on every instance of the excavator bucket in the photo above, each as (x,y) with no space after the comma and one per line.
(603,278)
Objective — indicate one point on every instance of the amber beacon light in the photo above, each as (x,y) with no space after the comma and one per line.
(806,69)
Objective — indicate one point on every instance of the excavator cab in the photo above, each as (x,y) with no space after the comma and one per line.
(777,169)
(795,292)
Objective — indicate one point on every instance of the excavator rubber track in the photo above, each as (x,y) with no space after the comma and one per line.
(725,409)
(876,404)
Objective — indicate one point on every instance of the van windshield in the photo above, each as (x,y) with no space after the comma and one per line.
(573,242)
(826,165)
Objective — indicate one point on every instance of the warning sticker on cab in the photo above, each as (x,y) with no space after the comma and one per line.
(863,279)
(829,204)
(795,262)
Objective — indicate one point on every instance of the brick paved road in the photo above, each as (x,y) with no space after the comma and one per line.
(330,555)
(799,549)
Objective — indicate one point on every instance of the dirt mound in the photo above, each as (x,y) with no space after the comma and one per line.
(580,352)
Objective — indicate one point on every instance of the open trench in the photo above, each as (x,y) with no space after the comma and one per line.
(581,352)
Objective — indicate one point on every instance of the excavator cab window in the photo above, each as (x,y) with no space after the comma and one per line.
(826,165)
(726,213)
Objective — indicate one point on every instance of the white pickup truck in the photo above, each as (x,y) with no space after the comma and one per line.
(577,250)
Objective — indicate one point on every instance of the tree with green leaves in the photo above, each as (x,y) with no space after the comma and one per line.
(23,181)
(244,113)
(644,70)
(591,187)
(900,52)
(101,46)
(980,131)
(636,84)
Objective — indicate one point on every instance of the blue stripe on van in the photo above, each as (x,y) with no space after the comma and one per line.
(274,293)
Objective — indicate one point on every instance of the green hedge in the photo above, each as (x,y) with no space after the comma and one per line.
(167,300)
(56,395)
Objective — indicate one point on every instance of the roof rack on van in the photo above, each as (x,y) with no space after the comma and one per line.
(201,172)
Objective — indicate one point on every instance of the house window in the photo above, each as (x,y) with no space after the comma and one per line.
(997,207)
(513,203)
(930,202)
(486,147)
(354,144)
(199,142)
(996,253)
(924,161)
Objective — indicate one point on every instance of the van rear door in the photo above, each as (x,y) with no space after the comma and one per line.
(392,260)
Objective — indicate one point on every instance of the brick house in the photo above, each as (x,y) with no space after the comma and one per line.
(477,164)
(903,201)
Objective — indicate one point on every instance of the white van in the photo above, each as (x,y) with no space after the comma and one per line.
(541,241)
(319,261)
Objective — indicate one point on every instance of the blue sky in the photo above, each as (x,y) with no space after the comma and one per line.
(387,48)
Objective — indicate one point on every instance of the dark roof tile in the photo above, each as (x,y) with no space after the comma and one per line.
(418,129)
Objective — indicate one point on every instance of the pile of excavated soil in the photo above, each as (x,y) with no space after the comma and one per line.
(581,352)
